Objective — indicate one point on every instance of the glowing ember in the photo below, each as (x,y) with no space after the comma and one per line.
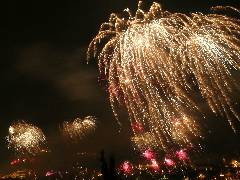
(235,163)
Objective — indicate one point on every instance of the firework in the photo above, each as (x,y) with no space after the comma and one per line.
(154,165)
(149,154)
(126,167)
(169,162)
(182,155)
(156,62)
(79,128)
(25,138)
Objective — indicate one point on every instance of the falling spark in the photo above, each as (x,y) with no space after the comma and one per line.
(156,62)
(79,128)
(25,138)
(145,141)
(180,130)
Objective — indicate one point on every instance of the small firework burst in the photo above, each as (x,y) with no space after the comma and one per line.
(126,167)
(78,128)
(25,138)
(182,155)
(149,154)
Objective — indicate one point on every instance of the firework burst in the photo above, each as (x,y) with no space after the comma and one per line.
(25,138)
(126,167)
(79,128)
(156,61)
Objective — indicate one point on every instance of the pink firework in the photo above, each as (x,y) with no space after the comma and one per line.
(155,166)
(49,173)
(182,155)
(126,167)
(169,162)
(149,154)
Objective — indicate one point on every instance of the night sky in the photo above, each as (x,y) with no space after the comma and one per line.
(45,78)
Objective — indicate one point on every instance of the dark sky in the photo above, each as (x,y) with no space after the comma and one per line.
(45,79)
